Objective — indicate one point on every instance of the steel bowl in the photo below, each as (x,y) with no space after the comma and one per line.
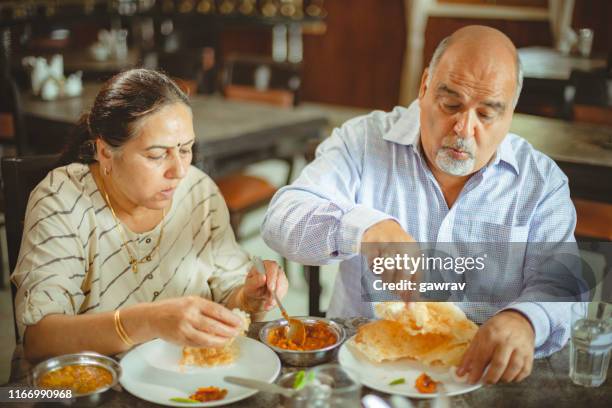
(304,358)
(90,399)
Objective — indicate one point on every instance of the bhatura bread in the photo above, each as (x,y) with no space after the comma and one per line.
(213,356)
(433,333)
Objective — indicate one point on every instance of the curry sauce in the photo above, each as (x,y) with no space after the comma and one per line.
(318,336)
(79,378)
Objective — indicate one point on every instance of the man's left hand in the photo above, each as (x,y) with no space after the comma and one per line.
(505,342)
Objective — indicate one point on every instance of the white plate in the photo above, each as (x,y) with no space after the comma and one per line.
(378,375)
(145,376)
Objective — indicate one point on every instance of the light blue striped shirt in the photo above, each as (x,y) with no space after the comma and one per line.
(372,169)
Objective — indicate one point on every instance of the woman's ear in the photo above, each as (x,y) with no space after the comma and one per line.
(103,151)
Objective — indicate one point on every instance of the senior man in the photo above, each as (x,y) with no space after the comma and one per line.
(445,169)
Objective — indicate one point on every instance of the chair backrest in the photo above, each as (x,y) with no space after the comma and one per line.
(601,115)
(12,123)
(20,176)
(191,69)
(261,79)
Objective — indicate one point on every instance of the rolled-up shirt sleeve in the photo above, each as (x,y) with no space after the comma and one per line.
(51,265)
(231,262)
(317,220)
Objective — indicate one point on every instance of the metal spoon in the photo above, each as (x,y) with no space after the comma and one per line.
(296,331)
(260,385)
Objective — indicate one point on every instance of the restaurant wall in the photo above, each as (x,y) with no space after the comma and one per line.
(356,62)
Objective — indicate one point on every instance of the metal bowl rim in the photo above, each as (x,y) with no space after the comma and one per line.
(282,322)
(65,360)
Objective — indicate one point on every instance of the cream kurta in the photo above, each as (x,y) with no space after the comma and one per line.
(73,261)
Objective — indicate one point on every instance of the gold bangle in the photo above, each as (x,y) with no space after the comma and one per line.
(121,331)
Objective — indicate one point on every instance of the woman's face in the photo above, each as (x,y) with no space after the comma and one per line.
(147,169)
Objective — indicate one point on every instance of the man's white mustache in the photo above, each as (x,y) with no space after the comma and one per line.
(459,143)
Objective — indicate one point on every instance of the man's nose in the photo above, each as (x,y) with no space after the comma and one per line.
(464,127)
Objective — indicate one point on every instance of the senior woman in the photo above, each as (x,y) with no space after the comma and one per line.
(129,242)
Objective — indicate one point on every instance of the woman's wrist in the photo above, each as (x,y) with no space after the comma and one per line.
(137,320)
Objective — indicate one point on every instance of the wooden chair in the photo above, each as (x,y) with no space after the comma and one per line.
(244,193)
(594,232)
(20,176)
(261,79)
(601,115)
(12,127)
(191,69)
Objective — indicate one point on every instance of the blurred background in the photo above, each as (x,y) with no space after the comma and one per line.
(269,79)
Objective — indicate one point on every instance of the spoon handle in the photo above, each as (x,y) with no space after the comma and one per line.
(259,385)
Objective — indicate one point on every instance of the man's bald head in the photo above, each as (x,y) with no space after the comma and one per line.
(483,43)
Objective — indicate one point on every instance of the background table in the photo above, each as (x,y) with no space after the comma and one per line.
(229,134)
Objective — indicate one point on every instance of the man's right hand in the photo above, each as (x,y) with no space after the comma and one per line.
(385,232)
(381,240)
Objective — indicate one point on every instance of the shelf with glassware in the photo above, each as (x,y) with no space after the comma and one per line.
(262,12)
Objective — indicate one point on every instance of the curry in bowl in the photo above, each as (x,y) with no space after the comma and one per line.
(318,335)
(80,378)
(85,373)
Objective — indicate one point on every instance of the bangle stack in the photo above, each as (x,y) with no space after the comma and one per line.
(121,330)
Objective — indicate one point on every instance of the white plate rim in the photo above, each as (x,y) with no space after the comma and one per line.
(224,401)
(345,348)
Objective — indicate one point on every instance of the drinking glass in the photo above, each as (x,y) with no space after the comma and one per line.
(590,344)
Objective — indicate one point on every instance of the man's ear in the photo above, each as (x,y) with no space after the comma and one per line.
(423,87)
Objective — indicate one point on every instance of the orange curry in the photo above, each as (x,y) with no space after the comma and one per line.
(79,378)
(425,384)
(204,394)
(318,336)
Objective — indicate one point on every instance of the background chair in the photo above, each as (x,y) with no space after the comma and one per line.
(594,216)
(261,80)
(192,69)
(12,124)
(20,176)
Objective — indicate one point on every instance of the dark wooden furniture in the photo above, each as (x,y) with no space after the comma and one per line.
(20,176)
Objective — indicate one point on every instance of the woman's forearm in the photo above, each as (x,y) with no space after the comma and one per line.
(62,334)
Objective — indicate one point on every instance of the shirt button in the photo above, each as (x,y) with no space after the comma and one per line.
(156,293)
(148,258)
(150,276)
(148,240)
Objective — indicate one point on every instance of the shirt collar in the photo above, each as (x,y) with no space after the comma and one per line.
(407,131)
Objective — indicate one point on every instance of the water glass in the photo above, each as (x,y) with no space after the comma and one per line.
(329,386)
(585,41)
(590,344)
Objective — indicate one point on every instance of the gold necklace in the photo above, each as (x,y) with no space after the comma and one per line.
(134,261)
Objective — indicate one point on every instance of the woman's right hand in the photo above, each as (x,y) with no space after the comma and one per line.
(193,321)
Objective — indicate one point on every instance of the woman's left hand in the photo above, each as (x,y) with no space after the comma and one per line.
(258,290)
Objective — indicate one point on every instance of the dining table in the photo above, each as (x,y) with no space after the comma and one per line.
(548,385)
(229,134)
(582,150)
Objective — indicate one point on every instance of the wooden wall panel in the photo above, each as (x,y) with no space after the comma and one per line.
(358,61)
